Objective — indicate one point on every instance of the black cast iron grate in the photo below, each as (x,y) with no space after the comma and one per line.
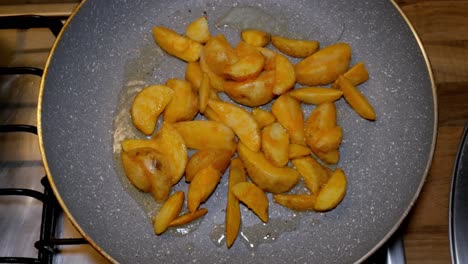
(47,245)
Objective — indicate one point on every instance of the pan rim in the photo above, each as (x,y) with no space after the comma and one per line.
(41,140)
(111,259)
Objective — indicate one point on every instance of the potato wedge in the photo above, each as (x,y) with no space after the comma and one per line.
(160,181)
(253,92)
(331,157)
(194,75)
(135,143)
(201,187)
(244,49)
(295,47)
(297,151)
(270,56)
(252,196)
(325,140)
(314,174)
(324,66)
(184,103)
(216,81)
(356,99)
(316,95)
(218,54)
(171,144)
(135,170)
(198,30)
(241,121)
(188,217)
(333,192)
(323,117)
(356,75)
(249,65)
(263,117)
(204,93)
(218,158)
(233,215)
(264,174)
(285,76)
(275,144)
(148,105)
(195,134)
(298,202)
(147,168)
(255,37)
(168,212)
(211,115)
(288,112)
(177,45)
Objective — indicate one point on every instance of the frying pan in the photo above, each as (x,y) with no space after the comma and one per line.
(106,54)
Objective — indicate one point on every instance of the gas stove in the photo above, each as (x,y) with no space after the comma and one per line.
(33,228)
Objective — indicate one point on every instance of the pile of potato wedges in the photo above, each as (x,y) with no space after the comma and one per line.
(267,149)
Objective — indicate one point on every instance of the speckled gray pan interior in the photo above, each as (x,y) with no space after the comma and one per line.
(107,54)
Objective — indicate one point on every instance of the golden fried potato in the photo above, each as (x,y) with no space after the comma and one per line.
(195,134)
(263,117)
(218,54)
(275,144)
(177,45)
(285,76)
(201,187)
(332,192)
(244,49)
(253,92)
(356,99)
(295,47)
(148,105)
(248,66)
(204,93)
(146,168)
(134,143)
(184,103)
(325,140)
(171,144)
(252,196)
(241,121)
(188,217)
(266,175)
(288,112)
(218,158)
(168,212)
(136,170)
(160,182)
(194,75)
(216,81)
(324,66)
(323,117)
(297,151)
(356,75)
(198,30)
(314,174)
(255,37)
(211,115)
(316,95)
(331,157)
(298,202)
(270,56)
(233,215)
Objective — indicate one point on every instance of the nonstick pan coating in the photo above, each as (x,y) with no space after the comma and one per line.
(106,53)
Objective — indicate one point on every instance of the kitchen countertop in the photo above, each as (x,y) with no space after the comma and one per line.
(443,28)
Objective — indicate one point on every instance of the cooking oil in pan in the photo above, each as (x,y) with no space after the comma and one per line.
(260,233)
